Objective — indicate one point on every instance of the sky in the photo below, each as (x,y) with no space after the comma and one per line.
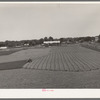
(22,21)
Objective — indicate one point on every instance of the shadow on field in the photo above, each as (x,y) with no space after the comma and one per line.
(12,65)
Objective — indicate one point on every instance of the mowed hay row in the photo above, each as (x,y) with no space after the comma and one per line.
(72,58)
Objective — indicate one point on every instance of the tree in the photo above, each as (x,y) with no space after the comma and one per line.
(41,40)
(45,39)
(87,39)
(61,40)
(51,38)
(2,44)
(99,38)
(32,42)
(10,43)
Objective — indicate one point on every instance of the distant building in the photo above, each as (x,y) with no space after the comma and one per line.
(27,44)
(96,38)
(3,47)
(50,43)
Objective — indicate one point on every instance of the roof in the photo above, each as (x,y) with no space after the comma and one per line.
(50,42)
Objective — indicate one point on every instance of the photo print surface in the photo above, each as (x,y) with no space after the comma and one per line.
(49,45)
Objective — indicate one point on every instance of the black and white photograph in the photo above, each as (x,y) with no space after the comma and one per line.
(49,45)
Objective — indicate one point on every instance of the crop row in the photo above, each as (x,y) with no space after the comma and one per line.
(70,58)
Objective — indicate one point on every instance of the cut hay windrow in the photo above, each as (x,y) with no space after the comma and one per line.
(72,58)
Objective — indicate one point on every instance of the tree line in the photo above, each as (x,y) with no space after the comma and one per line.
(23,42)
(41,40)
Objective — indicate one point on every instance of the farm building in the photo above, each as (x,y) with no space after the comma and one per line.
(51,43)
(3,47)
(27,44)
(96,38)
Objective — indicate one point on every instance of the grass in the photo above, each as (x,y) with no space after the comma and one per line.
(9,51)
(93,46)
(12,65)
(19,57)
(13,50)
(61,68)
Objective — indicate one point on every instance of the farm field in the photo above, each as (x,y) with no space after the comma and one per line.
(19,58)
(24,55)
(9,51)
(69,66)
(93,46)
(69,58)
(12,65)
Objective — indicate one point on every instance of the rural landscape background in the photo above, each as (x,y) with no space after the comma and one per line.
(49,45)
